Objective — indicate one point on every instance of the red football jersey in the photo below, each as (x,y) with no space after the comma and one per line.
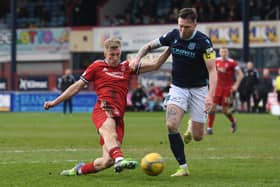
(226,71)
(111,83)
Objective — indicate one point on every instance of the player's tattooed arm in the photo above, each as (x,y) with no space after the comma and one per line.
(146,66)
(154,44)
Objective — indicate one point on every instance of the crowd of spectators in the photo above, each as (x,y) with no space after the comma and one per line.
(165,11)
(49,13)
(148,98)
(31,13)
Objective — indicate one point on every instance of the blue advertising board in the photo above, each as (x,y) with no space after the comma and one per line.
(33,101)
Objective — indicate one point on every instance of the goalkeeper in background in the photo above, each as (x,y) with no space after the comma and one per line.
(111,79)
(227,68)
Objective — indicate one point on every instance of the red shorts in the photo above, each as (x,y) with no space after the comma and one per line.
(221,96)
(99,116)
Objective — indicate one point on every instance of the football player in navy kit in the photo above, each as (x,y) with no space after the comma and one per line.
(193,85)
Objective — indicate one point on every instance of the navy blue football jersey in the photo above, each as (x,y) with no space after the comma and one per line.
(188,66)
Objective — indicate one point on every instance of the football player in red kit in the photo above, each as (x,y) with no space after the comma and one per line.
(227,68)
(111,79)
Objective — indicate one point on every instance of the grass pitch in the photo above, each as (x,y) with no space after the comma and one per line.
(35,147)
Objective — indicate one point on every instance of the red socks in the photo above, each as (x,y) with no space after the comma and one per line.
(211,119)
(88,168)
(115,152)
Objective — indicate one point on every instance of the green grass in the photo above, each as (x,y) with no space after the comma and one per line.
(35,147)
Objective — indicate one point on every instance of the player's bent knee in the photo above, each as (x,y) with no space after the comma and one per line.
(171,127)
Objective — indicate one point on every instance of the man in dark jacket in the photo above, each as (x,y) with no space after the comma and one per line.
(139,98)
(66,80)
(263,87)
(247,86)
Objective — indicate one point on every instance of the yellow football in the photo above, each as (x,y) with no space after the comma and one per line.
(152,164)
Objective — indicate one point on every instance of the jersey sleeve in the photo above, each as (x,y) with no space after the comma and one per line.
(126,63)
(208,50)
(88,74)
(167,38)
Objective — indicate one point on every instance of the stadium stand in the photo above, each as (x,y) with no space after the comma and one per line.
(49,13)
(153,12)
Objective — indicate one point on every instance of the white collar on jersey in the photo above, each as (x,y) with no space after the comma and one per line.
(193,34)
(105,61)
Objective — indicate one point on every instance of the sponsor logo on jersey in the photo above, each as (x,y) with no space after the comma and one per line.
(183,52)
(119,75)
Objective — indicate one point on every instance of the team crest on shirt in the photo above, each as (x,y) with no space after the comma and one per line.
(191,46)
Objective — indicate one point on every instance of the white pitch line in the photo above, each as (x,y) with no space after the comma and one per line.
(165,158)
(44,150)
(37,162)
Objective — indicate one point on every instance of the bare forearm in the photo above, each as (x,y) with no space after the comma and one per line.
(155,64)
(68,93)
(142,52)
(212,82)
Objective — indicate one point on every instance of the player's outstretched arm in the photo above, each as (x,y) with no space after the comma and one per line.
(68,93)
(142,52)
(155,64)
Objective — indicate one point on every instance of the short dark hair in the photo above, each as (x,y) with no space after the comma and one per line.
(188,13)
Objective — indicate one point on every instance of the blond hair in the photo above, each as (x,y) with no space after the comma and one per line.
(112,43)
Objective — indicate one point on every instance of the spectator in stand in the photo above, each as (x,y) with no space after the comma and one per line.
(222,12)
(155,98)
(263,87)
(267,7)
(254,10)
(139,98)
(211,11)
